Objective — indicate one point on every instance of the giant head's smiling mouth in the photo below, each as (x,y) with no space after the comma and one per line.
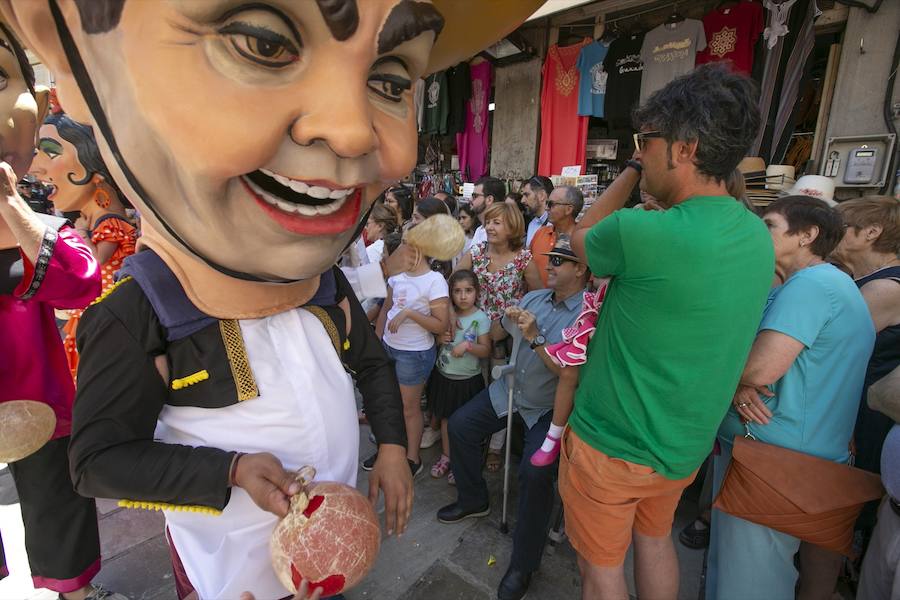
(308,208)
(292,195)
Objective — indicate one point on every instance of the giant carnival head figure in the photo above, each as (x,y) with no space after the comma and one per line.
(68,160)
(254,135)
(22,106)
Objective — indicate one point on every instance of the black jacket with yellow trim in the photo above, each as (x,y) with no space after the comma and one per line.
(121,394)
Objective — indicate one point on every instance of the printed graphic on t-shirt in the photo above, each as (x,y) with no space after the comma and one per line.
(434,94)
(630,63)
(723,42)
(672,51)
(566,80)
(598,79)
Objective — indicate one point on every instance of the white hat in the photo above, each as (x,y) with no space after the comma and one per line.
(816,186)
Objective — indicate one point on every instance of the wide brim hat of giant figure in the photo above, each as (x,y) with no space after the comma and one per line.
(470,26)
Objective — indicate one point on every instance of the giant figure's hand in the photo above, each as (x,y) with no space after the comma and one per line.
(391,474)
(267,482)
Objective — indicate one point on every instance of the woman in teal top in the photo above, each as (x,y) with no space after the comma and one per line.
(799,390)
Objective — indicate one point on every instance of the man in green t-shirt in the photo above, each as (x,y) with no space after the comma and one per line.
(688,288)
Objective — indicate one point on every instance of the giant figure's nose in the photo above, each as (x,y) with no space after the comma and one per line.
(341,117)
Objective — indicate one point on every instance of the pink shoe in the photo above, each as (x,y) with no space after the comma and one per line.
(543,459)
(441,467)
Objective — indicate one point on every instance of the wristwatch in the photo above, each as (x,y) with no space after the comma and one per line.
(538,340)
(635,165)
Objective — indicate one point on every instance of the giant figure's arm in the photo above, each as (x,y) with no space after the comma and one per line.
(112,452)
(374,373)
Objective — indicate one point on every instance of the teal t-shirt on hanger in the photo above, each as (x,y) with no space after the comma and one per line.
(592,84)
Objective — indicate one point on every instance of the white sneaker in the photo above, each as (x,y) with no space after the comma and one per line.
(430,437)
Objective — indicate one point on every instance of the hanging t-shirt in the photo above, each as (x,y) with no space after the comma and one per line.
(459,88)
(592,87)
(472,143)
(419,101)
(623,87)
(563,131)
(669,51)
(437,104)
(731,35)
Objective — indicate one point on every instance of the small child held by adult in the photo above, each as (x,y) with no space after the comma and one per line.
(457,376)
(569,354)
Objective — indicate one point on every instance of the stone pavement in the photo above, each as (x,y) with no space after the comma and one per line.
(431,561)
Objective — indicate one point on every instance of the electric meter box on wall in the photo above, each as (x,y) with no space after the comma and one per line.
(860,161)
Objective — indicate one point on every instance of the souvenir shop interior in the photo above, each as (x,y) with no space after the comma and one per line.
(599,60)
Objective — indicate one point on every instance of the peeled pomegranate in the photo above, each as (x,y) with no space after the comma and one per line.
(330,537)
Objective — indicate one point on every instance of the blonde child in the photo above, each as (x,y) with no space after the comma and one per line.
(415,310)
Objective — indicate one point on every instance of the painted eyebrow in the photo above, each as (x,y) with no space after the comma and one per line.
(406,21)
(264,7)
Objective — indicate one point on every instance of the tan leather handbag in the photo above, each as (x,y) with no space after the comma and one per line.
(810,498)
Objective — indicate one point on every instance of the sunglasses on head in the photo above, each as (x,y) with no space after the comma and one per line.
(641,137)
(557,260)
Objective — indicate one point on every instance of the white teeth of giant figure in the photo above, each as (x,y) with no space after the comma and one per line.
(317,192)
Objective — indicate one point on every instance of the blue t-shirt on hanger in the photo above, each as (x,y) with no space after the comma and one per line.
(592,85)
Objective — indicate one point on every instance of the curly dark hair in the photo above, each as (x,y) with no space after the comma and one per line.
(711,105)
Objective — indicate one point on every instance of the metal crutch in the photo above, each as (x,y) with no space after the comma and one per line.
(509,371)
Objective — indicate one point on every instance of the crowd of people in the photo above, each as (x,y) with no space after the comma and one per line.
(639,325)
(691,329)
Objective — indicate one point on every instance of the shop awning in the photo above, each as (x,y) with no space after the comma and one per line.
(555,6)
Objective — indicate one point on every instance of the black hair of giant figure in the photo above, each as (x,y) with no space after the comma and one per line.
(82,137)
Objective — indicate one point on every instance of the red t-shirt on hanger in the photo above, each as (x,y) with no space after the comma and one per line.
(731,35)
(563,132)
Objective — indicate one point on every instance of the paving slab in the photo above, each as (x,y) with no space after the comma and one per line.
(142,573)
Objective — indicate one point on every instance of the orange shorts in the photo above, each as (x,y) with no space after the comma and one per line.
(605,498)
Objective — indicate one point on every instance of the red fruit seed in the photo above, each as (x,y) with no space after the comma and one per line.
(331,585)
(314,503)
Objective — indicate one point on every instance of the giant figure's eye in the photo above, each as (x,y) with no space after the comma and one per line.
(389,79)
(50,147)
(260,41)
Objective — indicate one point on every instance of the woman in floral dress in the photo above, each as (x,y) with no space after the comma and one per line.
(505,273)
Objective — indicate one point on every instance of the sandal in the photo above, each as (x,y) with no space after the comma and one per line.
(451,479)
(493,462)
(441,467)
(693,538)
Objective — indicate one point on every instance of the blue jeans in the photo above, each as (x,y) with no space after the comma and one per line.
(412,366)
(468,427)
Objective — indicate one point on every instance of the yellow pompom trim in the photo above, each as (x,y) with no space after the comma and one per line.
(184,382)
(136,504)
(113,288)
